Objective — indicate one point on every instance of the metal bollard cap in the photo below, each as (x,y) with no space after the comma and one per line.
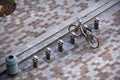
(85,25)
(60,41)
(35,57)
(73,34)
(48,49)
(96,18)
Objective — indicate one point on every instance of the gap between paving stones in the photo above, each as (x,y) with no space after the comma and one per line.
(62,32)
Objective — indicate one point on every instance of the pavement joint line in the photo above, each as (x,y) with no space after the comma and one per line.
(64,29)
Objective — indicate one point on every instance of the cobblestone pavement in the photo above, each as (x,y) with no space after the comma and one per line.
(79,61)
(33,21)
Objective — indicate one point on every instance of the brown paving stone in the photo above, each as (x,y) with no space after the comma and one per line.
(5,47)
(117,18)
(5,37)
(18,43)
(68,61)
(2,54)
(1,33)
(44,67)
(96,50)
(49,25)
(116,48)
(107,21)
(110,31)
(118,57)
(57,72)
(9,51)
(38,34)
(52,23)
(76,0)
(24,17)
(118,31)
(65,2)
(13,30)
(113,40)
(2,42)
(116,22)
(103,33)
(74,48)
(82,52)
(96,69)
(89,59)
(39,76)
(107,56)
(47,14)
(84,70)
(110,45)
(73,66)
(114,64)
(20,39)
(85,78)
(103,75)
(116,13)
(82,5)
(105,52)
(104,67)
(77,62)
(96,0)
(118,72)
(116,78)
(96,64)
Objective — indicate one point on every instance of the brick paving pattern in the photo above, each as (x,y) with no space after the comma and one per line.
(32,19)
(28,20)
(79,61)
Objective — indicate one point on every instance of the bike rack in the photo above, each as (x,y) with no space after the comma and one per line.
(60,48)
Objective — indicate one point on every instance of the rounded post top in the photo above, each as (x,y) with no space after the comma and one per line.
(48,49)
(96,18)
(85,25)
(60,41)
(35,57)
(73,34)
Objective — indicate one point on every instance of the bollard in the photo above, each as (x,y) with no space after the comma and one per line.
(60,45)
(96,23)
(35,61)
(12,65)
(72,38)
(48,50)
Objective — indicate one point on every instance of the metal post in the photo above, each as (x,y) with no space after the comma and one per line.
(72,38)
(35,61)
(96,23)
(60,45)
(48,50)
